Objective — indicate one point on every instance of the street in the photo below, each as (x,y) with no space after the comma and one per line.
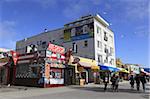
(75,92)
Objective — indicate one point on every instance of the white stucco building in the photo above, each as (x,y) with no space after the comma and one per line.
(88,36)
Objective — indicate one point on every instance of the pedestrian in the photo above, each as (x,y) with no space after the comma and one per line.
(137,79)
(117,83)
(113,80)
(106,81)
(143,80)
(132,81)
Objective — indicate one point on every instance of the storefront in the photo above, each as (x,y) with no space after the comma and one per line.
(44,68)
(84,69)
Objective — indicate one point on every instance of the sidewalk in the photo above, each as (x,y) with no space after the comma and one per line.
(5,88)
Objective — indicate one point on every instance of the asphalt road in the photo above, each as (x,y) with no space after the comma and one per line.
(76,92)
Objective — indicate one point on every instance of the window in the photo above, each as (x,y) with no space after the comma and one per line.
(106,50)
(106,60)
(105,36)
(79,30)
(55,73)
(74,47)
(111,50)
(85,43)
(98,30)
(99,58)
(99,44)
(112,62)
(44,44)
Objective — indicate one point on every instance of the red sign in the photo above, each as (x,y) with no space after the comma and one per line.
(56,48)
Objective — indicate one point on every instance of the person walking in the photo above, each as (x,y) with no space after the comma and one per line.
(132,81)
(113,80)
(143,80)
(117,82)
(137,79)
(106,81)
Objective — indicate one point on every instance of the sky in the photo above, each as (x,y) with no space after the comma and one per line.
(128,19)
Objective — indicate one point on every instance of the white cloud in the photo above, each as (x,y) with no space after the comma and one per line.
(142,31)
(7,34)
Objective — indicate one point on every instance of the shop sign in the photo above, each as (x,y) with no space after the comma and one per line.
(3,60)
(55,48)
(76,60)
(135,69)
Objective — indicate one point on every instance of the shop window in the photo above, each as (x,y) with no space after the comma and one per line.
(85,43)
(55,74)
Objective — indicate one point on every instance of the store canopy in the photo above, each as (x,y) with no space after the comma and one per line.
(123,70)
(109,68)
(147,70)
(85,62)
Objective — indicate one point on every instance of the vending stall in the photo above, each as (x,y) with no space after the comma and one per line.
(54,66)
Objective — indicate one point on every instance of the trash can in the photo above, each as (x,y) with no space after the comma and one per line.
(82,81)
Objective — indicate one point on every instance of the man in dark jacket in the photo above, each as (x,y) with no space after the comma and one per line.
(137,79)
(132,81)
(143,80)
(106,81)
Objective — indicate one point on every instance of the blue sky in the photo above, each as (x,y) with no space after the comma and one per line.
(129,20)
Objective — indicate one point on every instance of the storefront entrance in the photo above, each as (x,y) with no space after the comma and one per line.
(69,76)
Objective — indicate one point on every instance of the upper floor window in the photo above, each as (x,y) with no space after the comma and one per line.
(99,44)
(111,50)
(112,61)
(106,60)
(105,36)
(98,30)
(79,30)
(85,43)
(99,58)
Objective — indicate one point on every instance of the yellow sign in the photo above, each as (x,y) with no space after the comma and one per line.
(80,69)
(3,60)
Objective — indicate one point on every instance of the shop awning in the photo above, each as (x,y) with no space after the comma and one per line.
(123,70)
(109,68)
(85,62)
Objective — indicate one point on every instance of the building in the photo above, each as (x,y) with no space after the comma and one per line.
(89,37)
(119,63)
(8,60)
